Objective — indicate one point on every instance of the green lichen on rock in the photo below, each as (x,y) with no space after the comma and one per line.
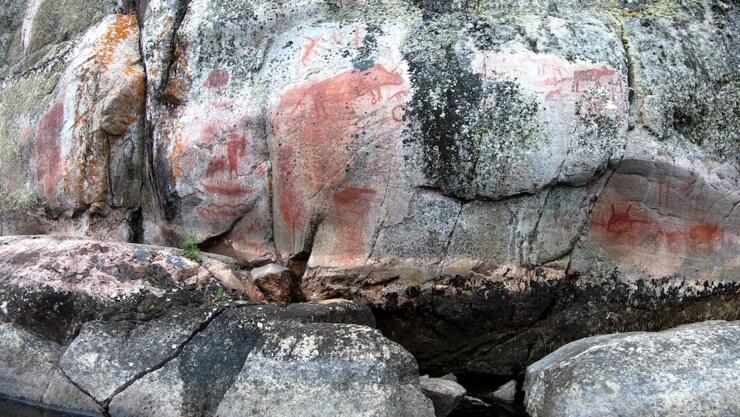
(21,101)
(69,18)
(24,201)
(464,125)
(509,128)
(598,124)
(686,80)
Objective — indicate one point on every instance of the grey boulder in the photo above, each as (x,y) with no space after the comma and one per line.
(445,393)
(29,372)
(692,370)
(313,359)
(506,393)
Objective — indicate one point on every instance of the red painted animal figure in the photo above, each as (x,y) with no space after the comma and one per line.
(590,76)
(620,223)
(342,89)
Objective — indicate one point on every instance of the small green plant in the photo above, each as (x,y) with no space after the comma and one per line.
(220,293)
(190,248)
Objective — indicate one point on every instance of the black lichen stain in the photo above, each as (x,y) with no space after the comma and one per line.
(364,61)
(447,101)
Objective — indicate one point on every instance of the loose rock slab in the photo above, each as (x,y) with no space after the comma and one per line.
(691,370)
(446,394)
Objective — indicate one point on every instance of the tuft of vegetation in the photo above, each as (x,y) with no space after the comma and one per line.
(190,248)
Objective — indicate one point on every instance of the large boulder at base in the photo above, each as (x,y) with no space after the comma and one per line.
(52,286)
(226,359)
(692,370)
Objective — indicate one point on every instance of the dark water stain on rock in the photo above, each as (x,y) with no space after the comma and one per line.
(13,408)
(210,364)
(486,330)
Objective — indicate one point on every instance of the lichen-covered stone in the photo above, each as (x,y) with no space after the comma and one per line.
(106,357)
(280,361)
(30,372)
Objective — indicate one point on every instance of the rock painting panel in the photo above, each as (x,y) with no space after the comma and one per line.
(219,156)
(325,132)
(659,221)
(554,78)
(47,155)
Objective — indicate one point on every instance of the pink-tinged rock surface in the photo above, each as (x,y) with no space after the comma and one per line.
(211,162)
(217,154)
(56,284)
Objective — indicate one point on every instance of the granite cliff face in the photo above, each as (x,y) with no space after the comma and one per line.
(496,178)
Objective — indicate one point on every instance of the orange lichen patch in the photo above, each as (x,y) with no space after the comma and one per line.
(110,98)
(175,156)
(47,152)
(120,29)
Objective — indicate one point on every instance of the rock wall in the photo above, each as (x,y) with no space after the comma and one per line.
(495,177)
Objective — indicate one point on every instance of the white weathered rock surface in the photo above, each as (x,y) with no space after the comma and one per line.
(506,393)
(692,370)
